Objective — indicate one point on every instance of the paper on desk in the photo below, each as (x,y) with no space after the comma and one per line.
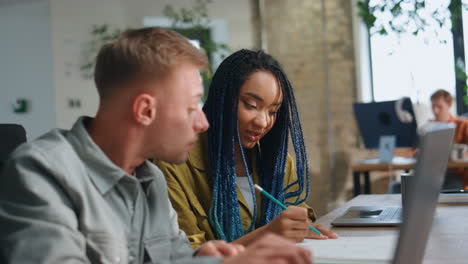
(351,250)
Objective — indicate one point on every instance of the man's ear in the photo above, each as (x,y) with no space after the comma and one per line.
(144,109)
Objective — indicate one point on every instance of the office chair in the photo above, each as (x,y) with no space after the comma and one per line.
(11,136)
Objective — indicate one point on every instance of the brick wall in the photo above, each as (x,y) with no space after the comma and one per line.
(313,41)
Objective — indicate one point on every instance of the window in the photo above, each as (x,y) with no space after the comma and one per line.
(413,66)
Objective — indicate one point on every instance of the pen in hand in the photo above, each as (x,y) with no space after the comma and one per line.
(269,196)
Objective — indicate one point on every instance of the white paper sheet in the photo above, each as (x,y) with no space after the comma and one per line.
(350,250)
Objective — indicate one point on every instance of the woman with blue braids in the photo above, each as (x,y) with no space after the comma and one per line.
(253,116)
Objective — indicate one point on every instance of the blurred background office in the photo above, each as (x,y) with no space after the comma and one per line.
(336,53)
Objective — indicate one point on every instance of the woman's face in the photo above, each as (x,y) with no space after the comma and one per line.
(259,99)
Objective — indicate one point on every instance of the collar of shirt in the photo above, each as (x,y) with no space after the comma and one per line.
(102,171)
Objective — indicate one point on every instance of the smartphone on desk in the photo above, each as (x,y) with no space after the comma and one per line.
(453,196)
(456,190)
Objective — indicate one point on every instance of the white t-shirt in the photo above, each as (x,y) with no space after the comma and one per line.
(243,183)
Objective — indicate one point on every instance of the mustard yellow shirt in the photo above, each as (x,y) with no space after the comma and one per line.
(189,186)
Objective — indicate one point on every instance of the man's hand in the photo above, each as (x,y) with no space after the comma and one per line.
(272,249)
(219,248)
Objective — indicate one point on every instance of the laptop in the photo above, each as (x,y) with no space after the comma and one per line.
(418,213)
(435,142)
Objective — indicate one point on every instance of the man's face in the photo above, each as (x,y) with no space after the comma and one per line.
(179,117)
(441,110)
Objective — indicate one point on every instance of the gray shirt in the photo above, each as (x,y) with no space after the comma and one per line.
(62,200)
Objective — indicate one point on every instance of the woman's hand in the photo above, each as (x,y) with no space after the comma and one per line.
(292,224)
(326,232)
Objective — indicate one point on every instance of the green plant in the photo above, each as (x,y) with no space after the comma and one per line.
(404,16)
(193,23)
(414,17)
(101,34)
(196,16)
(460,74)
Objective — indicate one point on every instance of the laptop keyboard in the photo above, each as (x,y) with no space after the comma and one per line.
(393,214)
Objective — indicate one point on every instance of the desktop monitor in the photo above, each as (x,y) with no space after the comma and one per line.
(389,118)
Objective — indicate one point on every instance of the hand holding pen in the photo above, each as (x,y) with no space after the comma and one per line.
(294,224)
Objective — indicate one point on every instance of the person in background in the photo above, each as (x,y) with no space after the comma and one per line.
(253,115)
(90,195)
(441,101)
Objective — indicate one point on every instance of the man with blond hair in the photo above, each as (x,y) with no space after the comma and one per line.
(89,195)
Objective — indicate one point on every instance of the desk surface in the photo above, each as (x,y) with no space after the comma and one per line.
(388,166)
(448,241)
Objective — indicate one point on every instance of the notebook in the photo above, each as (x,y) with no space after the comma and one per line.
(435,142)
(361,249)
